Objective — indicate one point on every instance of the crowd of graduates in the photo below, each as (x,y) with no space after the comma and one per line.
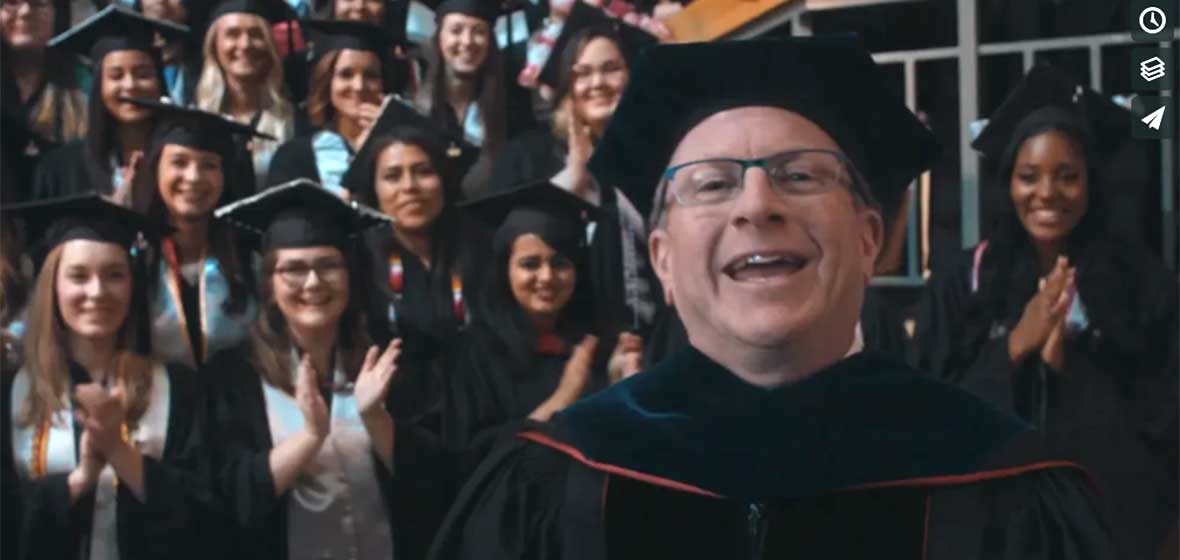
(278,278)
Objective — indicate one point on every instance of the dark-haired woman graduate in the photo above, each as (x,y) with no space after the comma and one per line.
(305,455)
(118,43)
(105,442)
(200,288)
(589,68)
(532,348)
(1058,321)
(349,79)
(410,170)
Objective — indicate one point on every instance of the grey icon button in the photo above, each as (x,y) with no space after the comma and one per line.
(1153,118)
(1152,20)
(1152,69)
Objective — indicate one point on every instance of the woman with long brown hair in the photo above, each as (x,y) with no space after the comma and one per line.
(200,286)
(98,432)
(119,44)
(305,449)
(466,89)
(349,79)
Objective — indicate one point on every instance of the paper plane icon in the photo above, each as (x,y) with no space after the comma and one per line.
(1154,119)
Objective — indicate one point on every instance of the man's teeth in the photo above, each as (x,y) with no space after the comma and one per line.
(759,259)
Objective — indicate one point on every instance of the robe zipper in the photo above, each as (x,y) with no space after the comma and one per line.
(756,529)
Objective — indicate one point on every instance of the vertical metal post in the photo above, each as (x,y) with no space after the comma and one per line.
(1026,58)
(968,112)
(1096,67)
(913,267)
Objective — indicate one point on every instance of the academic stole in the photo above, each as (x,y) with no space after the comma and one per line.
(174,280)
(397,283)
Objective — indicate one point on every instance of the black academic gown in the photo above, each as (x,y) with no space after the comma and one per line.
(1119,419)
(488,396)
(256,519)
(63,171)
(172,523)
(865,459)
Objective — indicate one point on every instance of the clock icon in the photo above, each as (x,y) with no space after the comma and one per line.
(1152,20)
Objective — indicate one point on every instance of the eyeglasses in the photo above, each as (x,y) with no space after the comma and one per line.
(13,5)
(792,173)
(586,71)
(296,273)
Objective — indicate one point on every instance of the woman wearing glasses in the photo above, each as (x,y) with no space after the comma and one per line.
(304,454)
(589,69)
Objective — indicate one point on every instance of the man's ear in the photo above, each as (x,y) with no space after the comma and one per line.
(657,248)
(872,239)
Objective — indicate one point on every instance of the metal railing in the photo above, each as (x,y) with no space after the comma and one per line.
(968,53)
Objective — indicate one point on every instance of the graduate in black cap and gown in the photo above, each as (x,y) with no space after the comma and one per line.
(410,170)
(200,286)
(308,458)
(532,348)
(469,87)
(40,100)
(242,75)
(106,443)
(124,63)
(771,436)
(589,69)
(1055,319)
(347,87)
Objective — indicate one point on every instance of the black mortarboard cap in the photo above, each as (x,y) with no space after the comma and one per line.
(1045,90)
(397,113)
(115,28)
(550,212)
(49,223)
(300,213)
(582,16)
(273,11)
(830,80)
(192,127)
(332,35)
(487,10)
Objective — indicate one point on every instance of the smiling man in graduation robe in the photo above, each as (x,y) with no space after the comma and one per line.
(772,436)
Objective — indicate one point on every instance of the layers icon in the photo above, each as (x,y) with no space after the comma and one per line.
(1152,69)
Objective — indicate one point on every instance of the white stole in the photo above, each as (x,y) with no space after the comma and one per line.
(61,455)
(335,509)
(332,156)
(170,341)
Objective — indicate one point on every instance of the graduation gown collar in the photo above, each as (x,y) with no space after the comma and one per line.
(864,420)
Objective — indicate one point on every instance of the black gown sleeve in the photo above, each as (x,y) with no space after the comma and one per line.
(950,345)
(511,508)
(242,481)
(1050,513)
(177,499)
(529,157)
(61,172)
(293,160)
